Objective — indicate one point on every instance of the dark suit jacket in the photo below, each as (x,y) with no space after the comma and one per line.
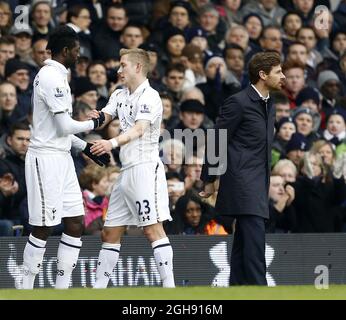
(244,186)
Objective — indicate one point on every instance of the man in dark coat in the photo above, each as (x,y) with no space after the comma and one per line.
(248,117)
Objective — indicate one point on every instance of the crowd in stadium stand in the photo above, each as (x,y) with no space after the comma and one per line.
(199,51)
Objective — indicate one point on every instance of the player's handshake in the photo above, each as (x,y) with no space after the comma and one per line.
(101,160)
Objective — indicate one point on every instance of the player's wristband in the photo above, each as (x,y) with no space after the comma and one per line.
(114,143)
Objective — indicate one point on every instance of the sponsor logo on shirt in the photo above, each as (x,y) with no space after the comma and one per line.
(59,92)
(144,109)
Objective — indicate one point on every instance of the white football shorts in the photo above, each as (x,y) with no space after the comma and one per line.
(53,189)
(139,197)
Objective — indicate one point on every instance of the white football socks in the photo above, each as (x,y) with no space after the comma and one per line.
(163,255)
(33,257)
(108,258)
(68,253)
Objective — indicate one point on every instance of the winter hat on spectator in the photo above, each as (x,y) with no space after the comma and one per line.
(284,120)
(325,76)
(297,142)
(316,117)
(83,85)
(252,14)
(181,3)
(13,65)
(150,46)
(339,111)
(212,57)
(195,32)
(192,105)
(171,32)
(307,93)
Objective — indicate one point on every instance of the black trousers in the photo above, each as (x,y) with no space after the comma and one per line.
(248,266)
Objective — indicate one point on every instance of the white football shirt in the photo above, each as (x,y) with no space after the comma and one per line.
(51,95)
(143,104)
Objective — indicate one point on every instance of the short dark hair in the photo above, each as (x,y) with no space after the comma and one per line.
(117,6)
(18,126)
(175,67)
(61,38)
(290,64)
(8,40)
(75,11)
(233,46)
(279,98)
(265,29)
(262,61)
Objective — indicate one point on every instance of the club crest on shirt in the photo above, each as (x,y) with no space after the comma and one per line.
(59,92)
(144,109)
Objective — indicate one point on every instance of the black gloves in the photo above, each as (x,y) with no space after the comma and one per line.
(99,121)
(100,160)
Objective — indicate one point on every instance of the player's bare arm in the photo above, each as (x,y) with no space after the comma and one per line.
(103,146)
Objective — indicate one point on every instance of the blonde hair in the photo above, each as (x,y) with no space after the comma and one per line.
(283,163)
(138,56)
(317,145)
(5,7)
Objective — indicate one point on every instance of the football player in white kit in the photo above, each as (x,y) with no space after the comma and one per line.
(139,196)
(53,190)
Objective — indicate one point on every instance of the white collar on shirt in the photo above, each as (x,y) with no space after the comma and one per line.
(329,136)
(58,65)
(140,88)
(259,93)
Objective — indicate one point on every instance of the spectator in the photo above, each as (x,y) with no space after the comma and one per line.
(94,183)
(327,151)
(271,39)
(291,23)
(305,8)
(131,36)
(194,217)
(7,51)
(37,57)
(335,132)
(78,18)
(85,92)
(209,20)
(23,41)
(282,106)
(282,216)
(174,41)
(254,26)
(8,188)
(172,154)
(106,35)
(295,80)
(269,11)
(308,123)
(17,73)
(286,169)
(309,97)
(41,18)
(307,36)
(316,203)
(8,103)
(192,59)
(6,19)
(176,189)
(169,117)
(215,89)
(97,74)
(284,130)
(235,61)
(16,146)
(230,12)
(330,87)
(174,81)
(296,148)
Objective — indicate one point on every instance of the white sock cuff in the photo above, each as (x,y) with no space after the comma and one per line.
(36,242)
(71,241)
(111,246)
(160,243)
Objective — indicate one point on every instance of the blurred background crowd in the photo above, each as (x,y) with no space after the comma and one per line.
(199,51)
